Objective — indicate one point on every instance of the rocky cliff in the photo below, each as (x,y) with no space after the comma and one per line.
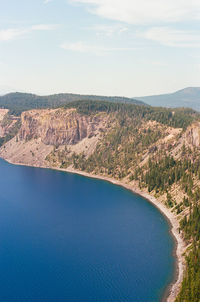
(79,133)
(192,135)
(43,130)
(59,126)
(153,151)
(3,113)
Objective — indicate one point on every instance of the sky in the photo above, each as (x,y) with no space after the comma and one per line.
(102,47)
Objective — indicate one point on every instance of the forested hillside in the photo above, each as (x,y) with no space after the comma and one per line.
(18,102)
(151,148)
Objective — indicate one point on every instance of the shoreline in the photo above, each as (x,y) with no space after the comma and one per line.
(173,288)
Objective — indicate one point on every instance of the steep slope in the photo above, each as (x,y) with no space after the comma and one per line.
(59,126)
(188,97)
(3,113)
(9,126)
(153,150)
(44,130)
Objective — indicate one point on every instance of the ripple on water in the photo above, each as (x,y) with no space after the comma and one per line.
(68,238)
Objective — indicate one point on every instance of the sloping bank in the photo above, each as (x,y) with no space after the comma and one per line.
(180,246)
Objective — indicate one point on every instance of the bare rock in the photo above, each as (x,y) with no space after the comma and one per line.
(59,126)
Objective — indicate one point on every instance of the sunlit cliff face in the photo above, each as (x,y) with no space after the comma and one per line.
(59,126)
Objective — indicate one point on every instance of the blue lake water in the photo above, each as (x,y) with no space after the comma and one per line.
(69,238)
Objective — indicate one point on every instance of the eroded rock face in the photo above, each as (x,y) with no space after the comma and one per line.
(192,135)
(59,126)
(3,112)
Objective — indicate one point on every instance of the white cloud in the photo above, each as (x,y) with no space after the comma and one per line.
(144,11)
(172,37)
(77,46)
(11,34)
(44,27)
(108,30)
(14,33)
(83,47)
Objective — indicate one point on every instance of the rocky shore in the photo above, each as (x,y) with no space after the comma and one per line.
(180,246)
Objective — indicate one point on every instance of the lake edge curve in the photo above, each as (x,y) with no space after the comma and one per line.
(173,288)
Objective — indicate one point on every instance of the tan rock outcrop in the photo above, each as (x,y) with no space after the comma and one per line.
(3,112)
(43,130)
(192,135)
(59,126)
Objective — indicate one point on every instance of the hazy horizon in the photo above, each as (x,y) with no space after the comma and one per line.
(95,94)
(99,47)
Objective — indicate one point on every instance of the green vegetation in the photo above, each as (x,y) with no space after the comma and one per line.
(122,148)
(190,291)
(160,176)
(132,147)
(11,133)
(178,117)
(18,102)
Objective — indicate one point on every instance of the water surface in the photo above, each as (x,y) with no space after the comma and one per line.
(69,238)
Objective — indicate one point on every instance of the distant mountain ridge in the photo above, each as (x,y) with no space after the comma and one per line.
(187,97)
(18,102)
